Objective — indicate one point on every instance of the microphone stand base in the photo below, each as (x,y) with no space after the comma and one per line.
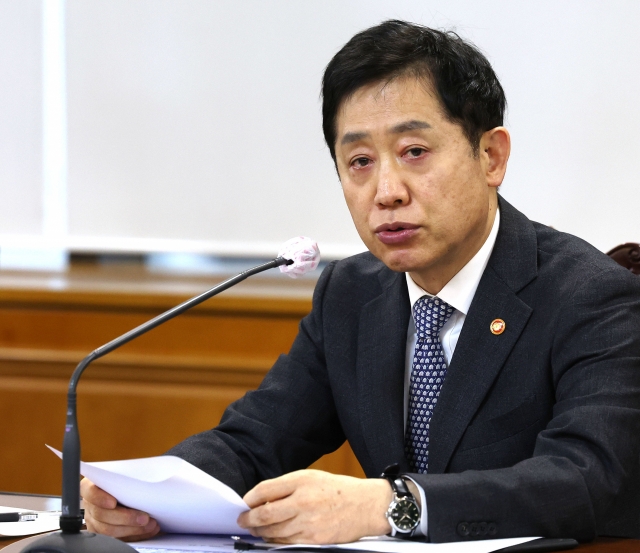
(83,542)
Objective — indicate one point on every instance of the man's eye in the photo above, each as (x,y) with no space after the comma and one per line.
(360,162)
(415,152)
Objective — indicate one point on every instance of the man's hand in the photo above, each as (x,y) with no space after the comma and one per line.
(311,506)
(104,516)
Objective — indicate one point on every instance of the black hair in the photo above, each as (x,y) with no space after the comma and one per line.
(460,74)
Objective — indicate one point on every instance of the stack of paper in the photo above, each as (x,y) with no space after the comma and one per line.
(207,544)
(181,497)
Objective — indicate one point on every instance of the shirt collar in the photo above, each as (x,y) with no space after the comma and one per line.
(459,291)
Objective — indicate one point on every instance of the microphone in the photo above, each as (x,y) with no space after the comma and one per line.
(297,257)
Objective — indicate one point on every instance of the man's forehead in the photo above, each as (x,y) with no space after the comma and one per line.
(412,91)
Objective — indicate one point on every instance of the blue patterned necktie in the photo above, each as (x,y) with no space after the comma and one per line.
(428,371)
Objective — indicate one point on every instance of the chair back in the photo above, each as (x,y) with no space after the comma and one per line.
(627,255)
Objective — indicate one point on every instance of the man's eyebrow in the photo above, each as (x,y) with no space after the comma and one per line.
(353,137)
(397,129)
(412,125)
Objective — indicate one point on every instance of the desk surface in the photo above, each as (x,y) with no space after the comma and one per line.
(43,502)
(49,502)
(601,545)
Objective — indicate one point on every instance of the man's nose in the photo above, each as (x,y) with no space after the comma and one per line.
(391,190)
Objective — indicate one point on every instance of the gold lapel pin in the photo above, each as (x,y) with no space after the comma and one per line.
(497,326)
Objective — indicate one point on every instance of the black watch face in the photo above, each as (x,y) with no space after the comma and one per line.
(405,515)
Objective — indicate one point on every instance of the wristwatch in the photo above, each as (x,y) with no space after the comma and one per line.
(403,513)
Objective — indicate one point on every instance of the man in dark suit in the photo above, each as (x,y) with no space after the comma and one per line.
(495,360)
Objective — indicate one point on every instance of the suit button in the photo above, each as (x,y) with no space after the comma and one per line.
(473,529)
(482,528)
(463,529)
(492,529)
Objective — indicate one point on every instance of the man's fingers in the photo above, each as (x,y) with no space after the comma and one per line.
(281,532)
(271,490)
(269,514)
(120,522)
(91,493)
(120,516)
(124,532)
(103,515)
(317,507)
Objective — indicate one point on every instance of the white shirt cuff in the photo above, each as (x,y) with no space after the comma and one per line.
(423,527)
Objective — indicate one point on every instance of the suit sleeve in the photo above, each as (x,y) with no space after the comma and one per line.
(289,422)
(583,479)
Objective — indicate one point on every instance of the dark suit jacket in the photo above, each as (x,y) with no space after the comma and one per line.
(536,431)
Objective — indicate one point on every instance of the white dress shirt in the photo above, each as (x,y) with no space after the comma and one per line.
(458,293)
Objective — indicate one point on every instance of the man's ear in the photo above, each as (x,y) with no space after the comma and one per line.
(495,146)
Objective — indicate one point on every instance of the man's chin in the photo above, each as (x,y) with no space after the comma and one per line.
(398,261)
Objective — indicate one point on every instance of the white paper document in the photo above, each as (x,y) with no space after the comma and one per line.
(181,497)
(207,544)
(46,522)
(190,505)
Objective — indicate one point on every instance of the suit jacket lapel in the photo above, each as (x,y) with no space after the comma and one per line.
(477,360)
(479,354)
(380,370)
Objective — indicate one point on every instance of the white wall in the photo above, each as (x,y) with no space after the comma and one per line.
(20,118)
(195,126)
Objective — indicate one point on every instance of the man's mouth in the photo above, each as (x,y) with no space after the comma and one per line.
(395,233)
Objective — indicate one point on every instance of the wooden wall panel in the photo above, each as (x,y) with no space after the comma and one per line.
(80,330)
(141,400)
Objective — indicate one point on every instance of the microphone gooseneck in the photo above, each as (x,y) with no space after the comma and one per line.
(71,539)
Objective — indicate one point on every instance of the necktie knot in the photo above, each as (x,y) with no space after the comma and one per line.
(430,315)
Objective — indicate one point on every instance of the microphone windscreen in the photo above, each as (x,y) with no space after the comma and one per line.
(304,253)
